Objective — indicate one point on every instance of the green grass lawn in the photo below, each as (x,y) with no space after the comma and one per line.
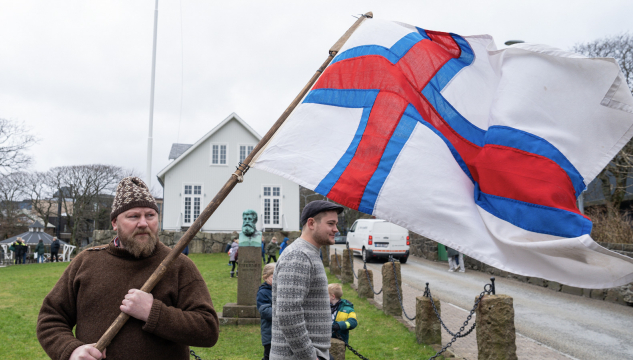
(23,287)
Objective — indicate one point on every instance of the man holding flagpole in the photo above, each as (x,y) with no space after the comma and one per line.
(103,281)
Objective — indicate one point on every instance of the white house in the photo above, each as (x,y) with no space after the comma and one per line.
(200,170)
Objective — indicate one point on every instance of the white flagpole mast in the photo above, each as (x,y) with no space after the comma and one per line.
(150,139)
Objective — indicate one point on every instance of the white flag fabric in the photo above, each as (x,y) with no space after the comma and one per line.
(482,150)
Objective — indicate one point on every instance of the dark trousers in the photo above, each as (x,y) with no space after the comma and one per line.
(271,256)
(55,255)
(267,352)
(233,269)
(18,259)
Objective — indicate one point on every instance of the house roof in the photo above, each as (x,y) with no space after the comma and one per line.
(177,150)
(36,224)
(161,174)
(32,238)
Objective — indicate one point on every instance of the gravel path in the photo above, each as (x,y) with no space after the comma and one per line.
(549,324)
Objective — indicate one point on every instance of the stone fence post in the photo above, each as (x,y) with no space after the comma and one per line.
(337,349)
(348,266)
(364,288)
(496,336)
(334,270)
(428,329)
(325,254)
(390,302)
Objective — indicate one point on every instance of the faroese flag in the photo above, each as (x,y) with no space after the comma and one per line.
(480,149)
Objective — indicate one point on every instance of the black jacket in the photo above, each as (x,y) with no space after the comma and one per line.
(265,307)
(55,246)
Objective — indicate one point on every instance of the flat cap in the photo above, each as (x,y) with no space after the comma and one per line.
(318,206)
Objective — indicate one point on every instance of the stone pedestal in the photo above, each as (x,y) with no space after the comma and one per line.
(364,289)
(248,281)
(250,274)
(337,349)
(325,252)
(234,310)
(390,302)
(334,270)
(496,336)
(428,329)
(347,267)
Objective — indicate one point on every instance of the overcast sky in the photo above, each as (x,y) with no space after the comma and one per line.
(78,72)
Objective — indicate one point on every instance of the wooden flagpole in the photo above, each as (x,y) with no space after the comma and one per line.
(235,178)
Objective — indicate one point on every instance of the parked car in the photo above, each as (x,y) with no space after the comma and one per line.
(374,238)
(340,239)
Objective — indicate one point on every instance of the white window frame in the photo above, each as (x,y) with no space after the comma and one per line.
(270,197)
(193,196)
(226,145)
(239,151)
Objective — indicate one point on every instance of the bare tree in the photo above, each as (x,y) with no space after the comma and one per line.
(90,190)
(40,188)
(614,176)
(11,192)
(14,141)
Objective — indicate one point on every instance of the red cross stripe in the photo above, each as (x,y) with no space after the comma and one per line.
(500,171)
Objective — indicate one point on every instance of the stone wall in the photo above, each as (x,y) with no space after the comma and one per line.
(624,249)
(620,295)
(427,249)
(201,243)
(422,247)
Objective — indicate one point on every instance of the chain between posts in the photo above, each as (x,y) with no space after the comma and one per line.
(395,275)
(371,284)
(193,353)
(351,348)
(336,257)
(488,289)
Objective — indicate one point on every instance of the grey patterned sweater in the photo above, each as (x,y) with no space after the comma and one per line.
(302,323)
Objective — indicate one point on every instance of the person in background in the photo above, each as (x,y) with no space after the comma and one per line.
(264,306)
(263,251)
(343,315)
(55,250)
(186,250)
(17,251)
(455,260)
(283,245)
(233,255)
(227,249)
(40,249)
(271,250)
(25,251)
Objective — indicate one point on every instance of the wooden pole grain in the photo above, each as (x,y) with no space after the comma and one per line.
(235,178)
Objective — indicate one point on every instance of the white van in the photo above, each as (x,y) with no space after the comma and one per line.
(373,238)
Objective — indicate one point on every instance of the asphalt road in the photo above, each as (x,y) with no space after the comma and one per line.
(576,326)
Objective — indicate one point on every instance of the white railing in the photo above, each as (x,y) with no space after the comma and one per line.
(68,250)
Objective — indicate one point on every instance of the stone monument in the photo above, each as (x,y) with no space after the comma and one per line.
(249,235)
(250,273)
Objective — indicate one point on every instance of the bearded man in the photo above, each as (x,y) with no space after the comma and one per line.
(302,319)
(103,281)
(249,235)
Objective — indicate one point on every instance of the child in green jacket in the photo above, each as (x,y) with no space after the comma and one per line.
(343,315)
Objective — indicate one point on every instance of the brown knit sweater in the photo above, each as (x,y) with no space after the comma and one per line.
(92,288)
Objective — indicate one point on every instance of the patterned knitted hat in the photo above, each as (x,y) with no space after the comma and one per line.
(130,193)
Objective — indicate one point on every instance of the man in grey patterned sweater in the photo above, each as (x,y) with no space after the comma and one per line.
(302,320)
